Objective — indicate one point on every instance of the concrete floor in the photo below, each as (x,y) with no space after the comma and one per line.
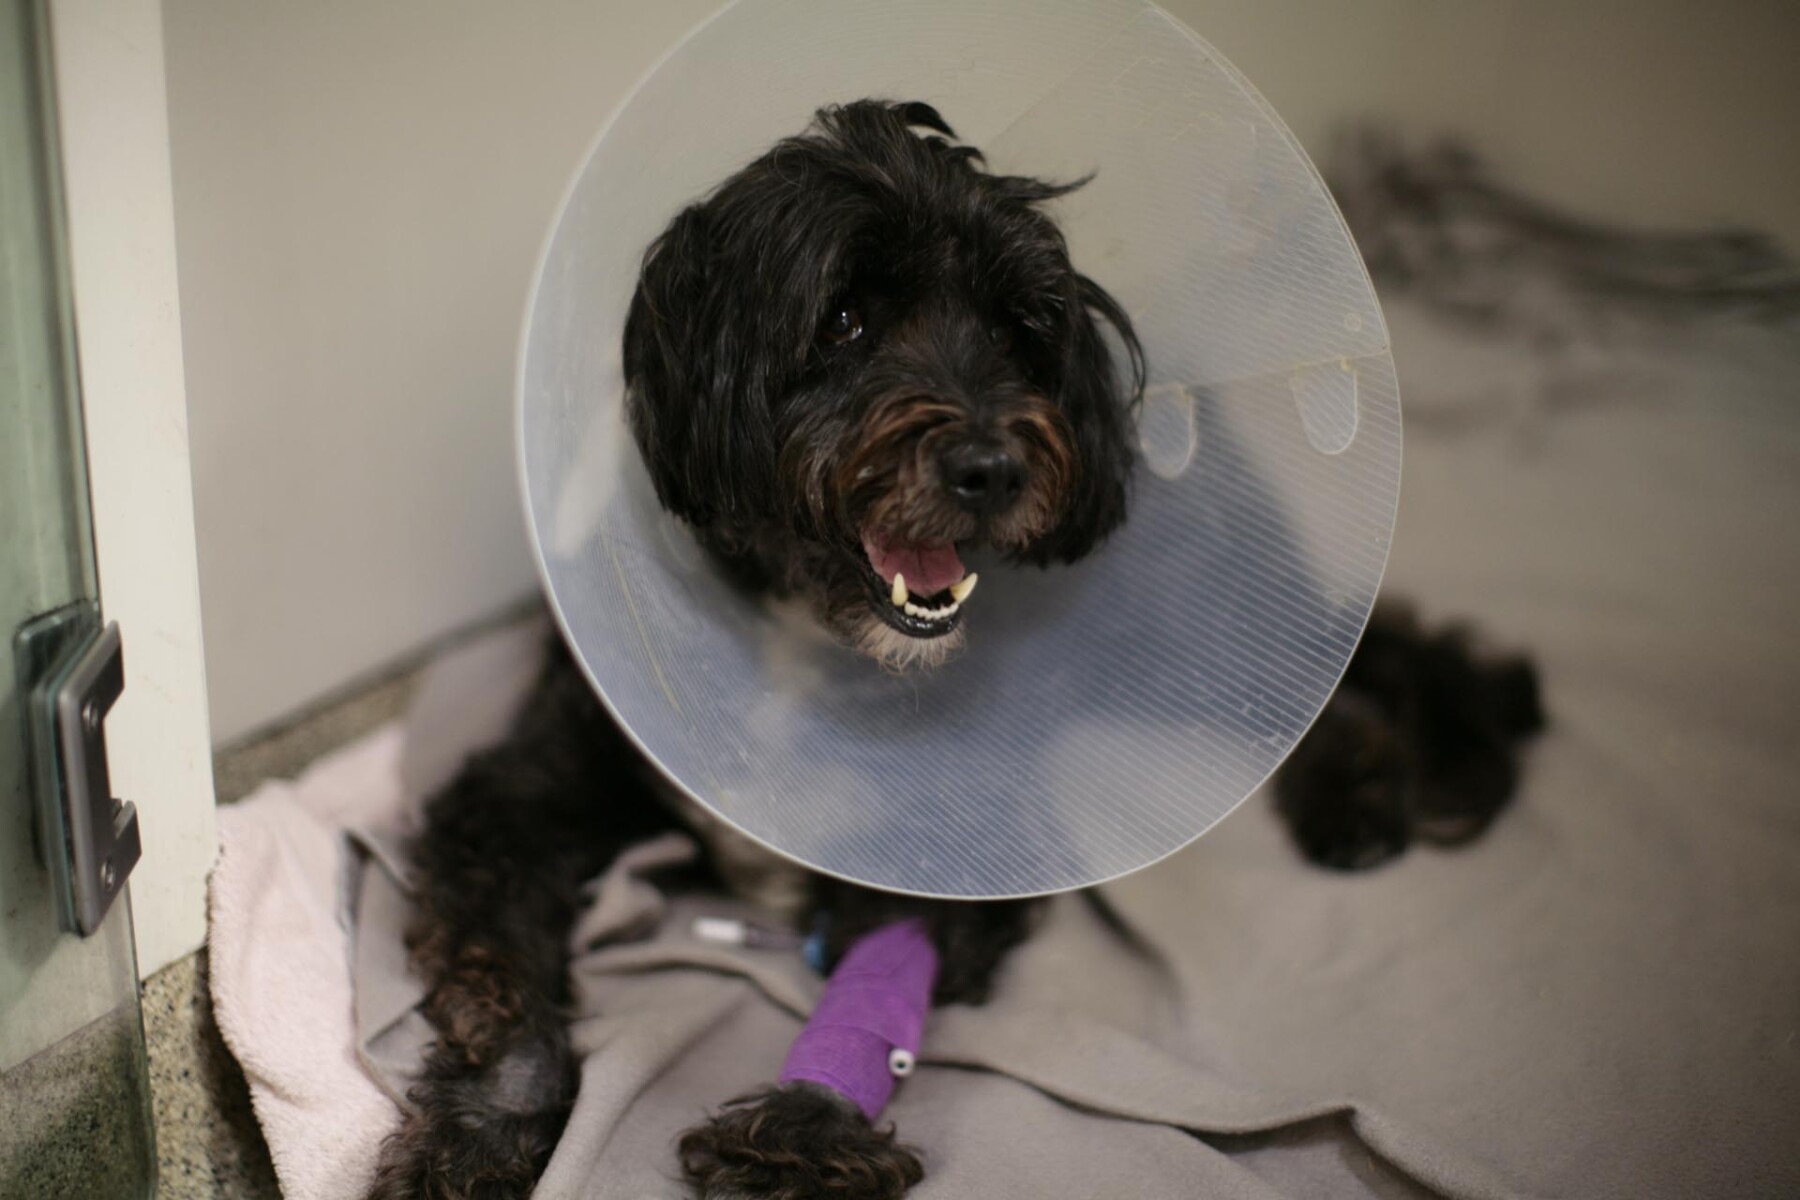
(208,1145)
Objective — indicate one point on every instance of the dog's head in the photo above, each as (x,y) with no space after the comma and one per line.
(862,355)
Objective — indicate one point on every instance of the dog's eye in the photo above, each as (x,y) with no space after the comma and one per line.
(843,325)
(1001,337)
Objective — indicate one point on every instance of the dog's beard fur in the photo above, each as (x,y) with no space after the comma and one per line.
(882,472)
(812,343)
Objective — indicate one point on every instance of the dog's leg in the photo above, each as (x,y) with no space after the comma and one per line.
(1421,741)
(801,1140)
(500,864)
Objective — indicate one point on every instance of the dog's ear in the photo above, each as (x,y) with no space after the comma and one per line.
(691,398)
(1098,401)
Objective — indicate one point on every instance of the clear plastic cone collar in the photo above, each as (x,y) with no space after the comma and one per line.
(1103,715)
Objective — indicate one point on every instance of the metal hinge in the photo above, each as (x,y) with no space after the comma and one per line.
(70,673)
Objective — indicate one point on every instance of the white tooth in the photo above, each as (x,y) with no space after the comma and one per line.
(900,593)
(961,588)
(913,610)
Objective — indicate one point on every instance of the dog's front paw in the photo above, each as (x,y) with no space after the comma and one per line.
(799,1141)
(480,1158)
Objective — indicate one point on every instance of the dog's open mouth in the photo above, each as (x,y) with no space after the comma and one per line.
(918,588)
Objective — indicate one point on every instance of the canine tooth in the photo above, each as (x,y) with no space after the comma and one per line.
(960,590)
(899,594)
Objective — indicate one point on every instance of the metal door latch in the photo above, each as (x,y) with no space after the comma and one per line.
(71,673)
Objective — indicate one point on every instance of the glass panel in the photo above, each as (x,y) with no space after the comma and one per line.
(74,1089)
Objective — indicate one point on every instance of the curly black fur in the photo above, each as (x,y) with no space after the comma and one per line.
(810,349)
(813,347)
(1421,741)
(500,865)
(798,1141)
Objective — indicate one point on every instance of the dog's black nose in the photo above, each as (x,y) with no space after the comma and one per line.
(981,476)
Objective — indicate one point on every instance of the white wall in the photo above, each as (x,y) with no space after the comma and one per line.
(361,187)
(114,131)
(361,190)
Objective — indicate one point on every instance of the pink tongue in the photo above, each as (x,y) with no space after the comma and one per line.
(927,569)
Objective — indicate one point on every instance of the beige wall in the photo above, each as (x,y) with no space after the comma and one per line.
(361,187)
(1640,110)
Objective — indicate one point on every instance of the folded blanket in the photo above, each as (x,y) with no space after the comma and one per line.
(1598,998)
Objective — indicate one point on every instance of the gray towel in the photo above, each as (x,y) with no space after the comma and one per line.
(1599,998)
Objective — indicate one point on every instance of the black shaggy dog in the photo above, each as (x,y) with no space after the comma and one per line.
(864,352)
(857,358)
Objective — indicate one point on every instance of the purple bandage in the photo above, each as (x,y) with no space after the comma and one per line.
(870,1018)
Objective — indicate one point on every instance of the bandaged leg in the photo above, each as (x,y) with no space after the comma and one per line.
(864,1032)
